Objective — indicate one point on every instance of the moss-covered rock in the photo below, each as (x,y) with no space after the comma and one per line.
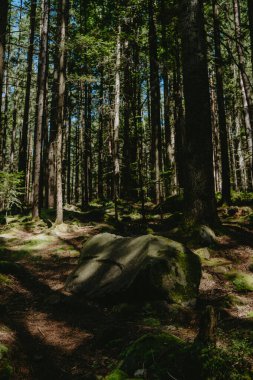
(165,356)
(156,354)
(207,235)
(203,253)
(243,282)
(146,267)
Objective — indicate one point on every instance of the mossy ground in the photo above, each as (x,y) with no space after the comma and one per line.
(6,369)
(40,323)
(158,356)
(243,282)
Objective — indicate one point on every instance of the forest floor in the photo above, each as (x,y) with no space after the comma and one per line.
(54,335)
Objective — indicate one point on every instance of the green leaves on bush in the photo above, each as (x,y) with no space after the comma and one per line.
(11,190)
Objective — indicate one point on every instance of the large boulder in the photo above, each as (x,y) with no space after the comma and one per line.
(143,267)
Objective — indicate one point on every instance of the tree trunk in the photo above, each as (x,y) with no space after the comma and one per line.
(199,180)
(179,120)
(3,31)
(63,21)
(22,167)
(117,123)
(52,140)
(245,84)
(168,162)
(100,139)
(156,159)
(225,168)
(77,164)
(126,182)
(248,126)
(68,142)
(250,15)
(40,108)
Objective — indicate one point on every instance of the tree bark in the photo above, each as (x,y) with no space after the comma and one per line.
(156,160)
(40,108)
(117,123)
(100,139)
(63,21)
(250,15)
(179,121)
(69,161)
(225,167)
(199,180)
(3,32)
(22,167)
(245,86)
(168,161)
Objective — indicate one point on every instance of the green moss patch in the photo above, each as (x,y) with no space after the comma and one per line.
(242,282)
(154,352)
(117,375)
(4,280)
(151,322)
(165,356)
(250,315)
(6,369)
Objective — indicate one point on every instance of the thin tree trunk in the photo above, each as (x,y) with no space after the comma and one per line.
(63,20)
(82,116)
(3,31)
(168,162)
(244,83)
(250,15)
(52,140)
(69,141)
(247,127)
(100,139)
(77,164)
(40,108)
(22,167)
(126,182)
(155,105)
(116,123)
(179,122)
(225,168)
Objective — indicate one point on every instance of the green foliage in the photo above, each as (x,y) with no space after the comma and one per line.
(242,198)
(11,190)
(6,369)
(211,363)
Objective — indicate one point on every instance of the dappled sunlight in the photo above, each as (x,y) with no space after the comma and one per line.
(57,334)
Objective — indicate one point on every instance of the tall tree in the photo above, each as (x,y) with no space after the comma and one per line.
(100,137)
(40,107)
(250,15)
(63,22)
(3,31)
(22,167)
(199,181)
(155,106)
(117,122)
(245,85)
(225,168)
(168,161)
